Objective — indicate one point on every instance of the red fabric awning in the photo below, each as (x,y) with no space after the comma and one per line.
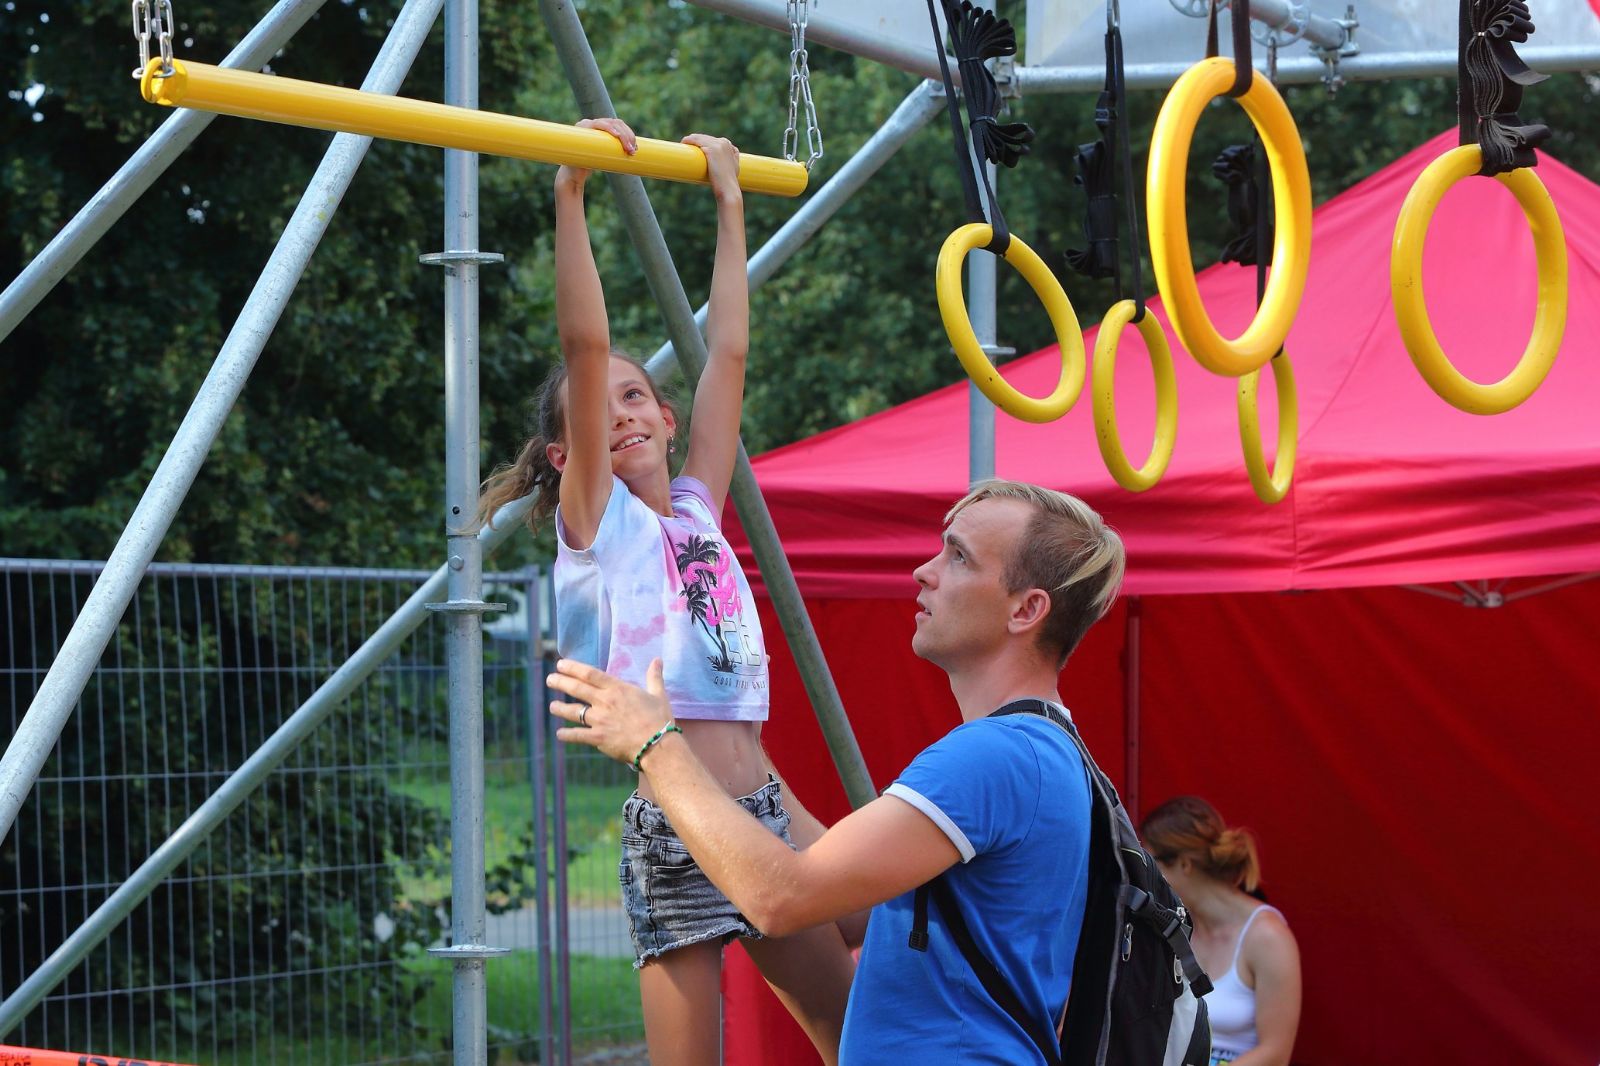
(1392,485)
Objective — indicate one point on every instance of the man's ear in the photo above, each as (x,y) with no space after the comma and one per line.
(557,456)
(1032,608)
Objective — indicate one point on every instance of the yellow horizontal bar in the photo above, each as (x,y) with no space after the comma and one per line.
(269,98)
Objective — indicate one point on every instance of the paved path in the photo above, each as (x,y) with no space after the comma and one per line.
(599,931)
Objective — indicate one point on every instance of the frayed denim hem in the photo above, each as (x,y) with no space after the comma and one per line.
(732,931)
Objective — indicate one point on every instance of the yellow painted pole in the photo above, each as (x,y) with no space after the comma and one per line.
(269,98)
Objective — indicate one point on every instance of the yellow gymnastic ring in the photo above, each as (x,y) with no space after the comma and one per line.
(953,309)
(1270,487)
(1169,223)
(1411,309)
(1105,411)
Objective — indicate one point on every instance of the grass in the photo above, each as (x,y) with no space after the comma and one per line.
(605,1010)
(605,992)
(593,830)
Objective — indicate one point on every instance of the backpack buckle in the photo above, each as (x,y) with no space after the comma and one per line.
(1127,941)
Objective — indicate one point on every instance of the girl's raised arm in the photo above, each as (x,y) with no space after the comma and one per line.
(719,399)
(584,458)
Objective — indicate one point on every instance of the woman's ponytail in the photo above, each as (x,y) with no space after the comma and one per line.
(1189,826)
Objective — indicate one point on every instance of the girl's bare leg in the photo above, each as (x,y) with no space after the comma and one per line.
(681,992)
(810,972)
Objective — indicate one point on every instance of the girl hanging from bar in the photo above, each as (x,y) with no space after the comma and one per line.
(643,571)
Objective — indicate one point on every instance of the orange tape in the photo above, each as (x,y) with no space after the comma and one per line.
(27,1056)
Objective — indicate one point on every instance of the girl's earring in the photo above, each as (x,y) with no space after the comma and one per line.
(672,445)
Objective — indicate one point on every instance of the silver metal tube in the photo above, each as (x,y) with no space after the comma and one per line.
(539,699)
(563,915)
(1280,14)
(245,780)
(982,313)
(140,171)
(1301,70)
(920,105)
(58,693)
(980,434)
(464,628)
(1324,32)
(833,32)
(823,28)
(589,88)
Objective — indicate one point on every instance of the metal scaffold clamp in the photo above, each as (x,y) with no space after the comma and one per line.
(1348,47)
(451,259)
(468,952)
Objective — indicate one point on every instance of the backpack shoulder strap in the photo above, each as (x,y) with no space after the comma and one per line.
(989,976)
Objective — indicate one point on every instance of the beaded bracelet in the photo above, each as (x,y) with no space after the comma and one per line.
(670,727)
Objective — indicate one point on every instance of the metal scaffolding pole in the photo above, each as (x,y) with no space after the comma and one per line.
(1299,21)
(589,88)
(982,313)
(58,693)
(464,608)
(1326,34)
(250,775)
(830,30)
(825,28)
(920,105)
(1302,70)
(140,171)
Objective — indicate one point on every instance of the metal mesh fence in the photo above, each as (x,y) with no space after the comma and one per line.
(298,931)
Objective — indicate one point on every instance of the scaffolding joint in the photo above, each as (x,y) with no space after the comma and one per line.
(468,952)
(448,259)
(1346,48)
(464,607)
(1004,69)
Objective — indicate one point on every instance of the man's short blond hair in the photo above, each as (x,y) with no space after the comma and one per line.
(1067,550)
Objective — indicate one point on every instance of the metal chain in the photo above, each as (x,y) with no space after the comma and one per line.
(153,18)
(800,90)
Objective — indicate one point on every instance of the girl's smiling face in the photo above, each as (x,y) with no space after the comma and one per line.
(642,428)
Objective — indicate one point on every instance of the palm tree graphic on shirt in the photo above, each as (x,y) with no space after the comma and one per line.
(710,591)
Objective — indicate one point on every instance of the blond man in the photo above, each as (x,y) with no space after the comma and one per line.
(998,808)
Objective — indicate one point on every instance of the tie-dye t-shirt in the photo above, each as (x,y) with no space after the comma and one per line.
(652,586)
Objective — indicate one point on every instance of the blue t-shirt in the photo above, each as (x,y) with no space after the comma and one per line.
(1012,796)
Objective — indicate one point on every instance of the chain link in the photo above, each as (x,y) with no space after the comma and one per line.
(800,90)
(153,18)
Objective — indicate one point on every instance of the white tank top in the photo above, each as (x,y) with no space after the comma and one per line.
(1231,1005)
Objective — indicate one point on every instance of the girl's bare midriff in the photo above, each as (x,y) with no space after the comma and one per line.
(730,750)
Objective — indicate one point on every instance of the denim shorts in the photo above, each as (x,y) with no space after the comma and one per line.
(670,902)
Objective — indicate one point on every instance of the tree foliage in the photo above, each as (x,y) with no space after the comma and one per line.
(334,452)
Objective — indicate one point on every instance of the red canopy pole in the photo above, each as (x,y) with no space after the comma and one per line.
(1130,708)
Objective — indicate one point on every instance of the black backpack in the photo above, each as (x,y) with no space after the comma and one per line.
(1135,982)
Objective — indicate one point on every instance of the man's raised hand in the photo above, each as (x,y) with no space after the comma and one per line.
(608,713)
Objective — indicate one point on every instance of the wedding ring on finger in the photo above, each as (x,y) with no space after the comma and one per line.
(583,716)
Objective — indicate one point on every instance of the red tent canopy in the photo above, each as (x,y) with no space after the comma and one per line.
(1417,772)
(1392,484)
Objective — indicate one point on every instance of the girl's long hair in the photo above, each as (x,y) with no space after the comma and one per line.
(532,471)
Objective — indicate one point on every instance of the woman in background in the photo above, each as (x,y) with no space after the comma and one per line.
(1244,944)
